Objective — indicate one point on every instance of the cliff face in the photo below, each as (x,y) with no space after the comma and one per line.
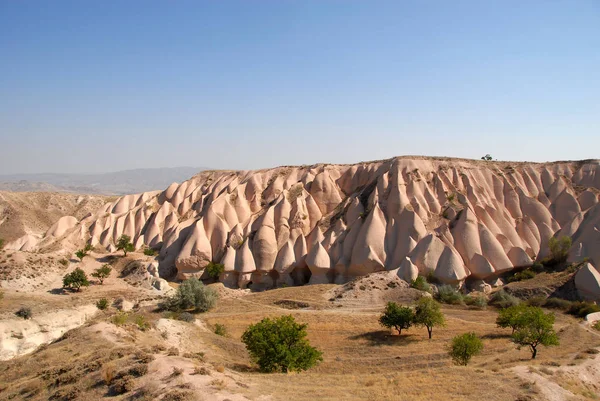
(330,223)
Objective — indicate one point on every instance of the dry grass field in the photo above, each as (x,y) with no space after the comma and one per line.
(362,360)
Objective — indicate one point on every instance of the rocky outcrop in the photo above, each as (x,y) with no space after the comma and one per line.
(456,219)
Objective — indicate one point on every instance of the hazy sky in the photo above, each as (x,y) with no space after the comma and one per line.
(91,86)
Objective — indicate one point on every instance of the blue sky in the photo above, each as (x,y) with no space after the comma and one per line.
(103,86)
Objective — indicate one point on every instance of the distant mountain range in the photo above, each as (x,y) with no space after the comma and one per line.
(115,183)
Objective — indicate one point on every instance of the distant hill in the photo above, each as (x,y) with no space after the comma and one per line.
(115,183)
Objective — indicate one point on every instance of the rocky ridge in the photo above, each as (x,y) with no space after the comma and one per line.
(455,219)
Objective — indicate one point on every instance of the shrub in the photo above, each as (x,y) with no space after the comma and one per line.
(522,275)
(449,295)
(557,303)
(101,273)
(1,243)
(509,317)
(535,328)
(479,301)
(538,300)
(186,317)
(123,385)
(124,244)
(76,279)
(64,262)
(141,322)
(150,252)
(102,304)
(428,314)
(397,317)
(176,371)
(81,253)
(138,370)
(280,345)
(192,294)
(596,325)
(24,312)
(559,249)
(108,374)
(120,318)
(464,347)
(220,330)
(173,351)
(582,309)
(421,284)
(214,270)
(502,299)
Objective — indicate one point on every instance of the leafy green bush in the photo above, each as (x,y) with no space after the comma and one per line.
(24,312)
(102,273)
(596,326)
(75,280)
(120,318)
(464,347)
(428,314)
(396,316)
(124,244)
(141,322)
(522,275)
(81,253)
(150,252)
(557,303)
(214,270)
(192,295)
(280,345)
(559,249)
(220,330)
(102,304)
(535,328)
(421,284)
(502,299)
(582,309)
(449,295)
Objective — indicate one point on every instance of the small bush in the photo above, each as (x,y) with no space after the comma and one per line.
(192,294)
(502,299)
(523,275)
(582,309)
(24,312)
(108,374)
(421,284)
(138,370)
(102,304)
(186,317)
(449,295)
(150,252)
(479,301)
(141,323)
(102,273)
(464,347)
(123,385)
(176,371)
(214,270)
(220,330)
(201,370)
(120,319)
(596,326)
(64,262)
(559,249)
(173,351)
(539,300)
(557,303)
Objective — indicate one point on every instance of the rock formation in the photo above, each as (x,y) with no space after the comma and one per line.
(452,218)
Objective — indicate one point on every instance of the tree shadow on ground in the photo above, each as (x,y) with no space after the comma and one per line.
(384,337)
(57,291)
(494,336)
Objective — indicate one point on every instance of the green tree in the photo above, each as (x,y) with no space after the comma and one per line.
(510,317)
(429,314)
(192,294)
(280,345)
(486,157)
(88,248)
(101,273)
(535,328)
(124,244)
(397,317)
(559,248)
(464,347)
(81,253)
(214,270)
(76,279)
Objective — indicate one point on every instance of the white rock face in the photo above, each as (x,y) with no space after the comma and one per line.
(587,282)
(456,219)
(19,337)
